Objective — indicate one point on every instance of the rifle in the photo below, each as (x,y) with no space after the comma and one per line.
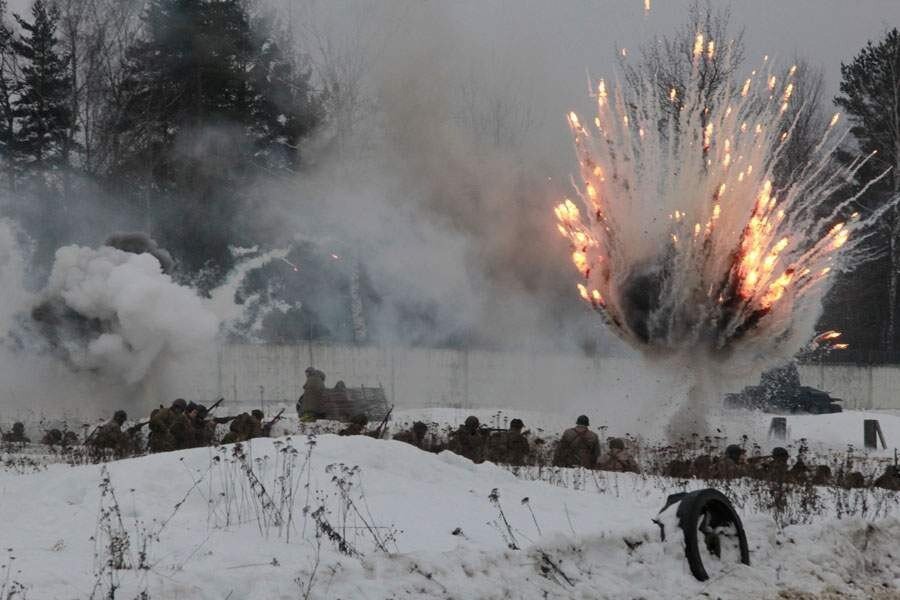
(213,407)
(222,420)
(380,429)
(268,426)
(485,429)
(137,427)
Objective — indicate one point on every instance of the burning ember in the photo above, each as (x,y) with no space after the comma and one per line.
(683,236)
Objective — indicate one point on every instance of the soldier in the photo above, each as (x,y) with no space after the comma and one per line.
(618,459)
(242,428)
(799,472)
(731,465)
(110,435)
(852,479)
(255,424)
(509,447)
(415,436)
(204,431)
(162,423)
(468,440)
(822,475)
(53,437)
(776,467)
(17,435)
(311,405)
(578,447)
(890,479)
(702,466)
(180,425)
(357,426)
(517,447)
(70,438)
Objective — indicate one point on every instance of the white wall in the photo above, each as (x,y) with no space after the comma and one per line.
(269,375)
(425,377)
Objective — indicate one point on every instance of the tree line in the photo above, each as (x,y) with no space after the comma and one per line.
(864,304)
(161,114)
(170,107)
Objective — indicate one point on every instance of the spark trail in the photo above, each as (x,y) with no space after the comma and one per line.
(686,241)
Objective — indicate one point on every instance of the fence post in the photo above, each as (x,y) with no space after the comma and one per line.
(778,428)
(872,433)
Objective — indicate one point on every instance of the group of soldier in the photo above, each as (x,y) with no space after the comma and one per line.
(777,467)
(189,425)
(580,447)
(178,426)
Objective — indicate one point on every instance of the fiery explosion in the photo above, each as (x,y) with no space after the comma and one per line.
(683,235)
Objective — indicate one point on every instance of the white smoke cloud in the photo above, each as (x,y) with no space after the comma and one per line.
(142,312)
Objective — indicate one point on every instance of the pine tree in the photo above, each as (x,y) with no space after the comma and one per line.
(42,112)
(285,108)
(7,87)
(208,99)
(870,97)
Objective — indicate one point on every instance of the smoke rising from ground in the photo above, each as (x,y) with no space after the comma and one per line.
(445,151)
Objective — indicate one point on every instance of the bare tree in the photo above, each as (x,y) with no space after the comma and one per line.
(667,64)
(97,35)
(9,75)
(805,119)
(498,109)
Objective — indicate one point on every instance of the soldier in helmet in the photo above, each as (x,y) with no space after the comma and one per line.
(578,447)
(509,447)
(243,427)
(468,440)
(110,435)
(169,427)
(618,458)
(890,479)
(731,465)
(203,430)
(776,467)
(311,405)
(52,437)
(255,424)
(415,436)
(180,425)
(357,426)
(518,449)
(17,435)
(821,475)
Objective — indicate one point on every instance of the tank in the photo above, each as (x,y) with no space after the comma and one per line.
(780,391)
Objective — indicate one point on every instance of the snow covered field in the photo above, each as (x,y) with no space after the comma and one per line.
(332,517)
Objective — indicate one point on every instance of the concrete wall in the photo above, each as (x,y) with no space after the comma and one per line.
(859,387)
(410,377)
(426,377)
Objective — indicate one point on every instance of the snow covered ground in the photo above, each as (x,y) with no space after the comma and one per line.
(385,520)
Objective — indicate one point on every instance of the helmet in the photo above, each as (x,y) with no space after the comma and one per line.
(257,414)
(780,453)
(583,420)
(19,427)
(616,444)
(191,406)
(420,428)
(120,417)
(734,452)
(309,371)
(516,424)
(179,405)
(472,422)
